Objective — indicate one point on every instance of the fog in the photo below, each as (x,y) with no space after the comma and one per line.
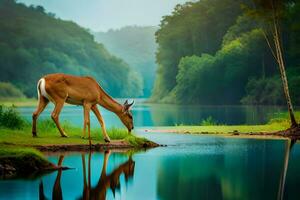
(102,15)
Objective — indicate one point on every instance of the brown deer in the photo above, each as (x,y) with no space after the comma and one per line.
(76,90)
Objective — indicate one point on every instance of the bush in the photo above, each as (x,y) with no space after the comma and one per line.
(10,118)
(209,121)
(8,90)
(264,91)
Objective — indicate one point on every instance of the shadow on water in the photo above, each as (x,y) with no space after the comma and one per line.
(106,181)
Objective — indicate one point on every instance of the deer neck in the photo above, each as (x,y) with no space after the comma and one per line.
(109,103)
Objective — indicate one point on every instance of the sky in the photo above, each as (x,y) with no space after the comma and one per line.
(102,15)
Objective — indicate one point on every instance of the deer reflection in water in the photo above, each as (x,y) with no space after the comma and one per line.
(56,192)
(105,181)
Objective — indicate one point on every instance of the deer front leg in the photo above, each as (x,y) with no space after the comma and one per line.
(104,165)
(101,121)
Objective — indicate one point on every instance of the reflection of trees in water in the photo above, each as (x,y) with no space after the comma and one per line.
(193,114)
(288,147)
(105,181)
(244,174)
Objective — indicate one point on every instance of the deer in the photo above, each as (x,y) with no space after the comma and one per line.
(78,90)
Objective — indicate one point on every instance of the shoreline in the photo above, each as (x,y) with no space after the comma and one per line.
(280,134)
(114,145)
(17,164)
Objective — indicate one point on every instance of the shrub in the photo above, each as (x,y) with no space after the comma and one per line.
(10,118)
(209,121)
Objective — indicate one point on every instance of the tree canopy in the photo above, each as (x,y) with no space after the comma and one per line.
(34,43)
(212,52)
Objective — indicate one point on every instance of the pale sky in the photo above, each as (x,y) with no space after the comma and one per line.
(101,15)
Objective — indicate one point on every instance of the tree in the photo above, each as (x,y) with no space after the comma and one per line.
(270,14)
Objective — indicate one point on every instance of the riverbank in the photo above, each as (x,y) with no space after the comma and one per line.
(50,140)
(20,152)
(274,129)
(21,155)
(23,162)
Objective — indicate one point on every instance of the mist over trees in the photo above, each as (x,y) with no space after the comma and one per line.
(136,45)
(211,52)
(34,43)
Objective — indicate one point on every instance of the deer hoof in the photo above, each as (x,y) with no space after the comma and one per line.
(64,136)
(34,134)
(107,140)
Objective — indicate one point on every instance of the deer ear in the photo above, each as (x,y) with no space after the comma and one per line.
(131,104)
(127,106)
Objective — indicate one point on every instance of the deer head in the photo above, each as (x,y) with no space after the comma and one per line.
(126,116)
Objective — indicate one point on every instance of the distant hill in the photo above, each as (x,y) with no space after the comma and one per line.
(136,45)
(34,43)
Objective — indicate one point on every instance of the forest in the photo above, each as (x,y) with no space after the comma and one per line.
(136,45)
(214,52)
(34,43)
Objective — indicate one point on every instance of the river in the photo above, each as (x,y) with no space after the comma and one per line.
(190,167)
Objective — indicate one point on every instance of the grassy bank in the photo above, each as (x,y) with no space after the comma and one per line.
(22,162)
(14,130)
(49,135)
(278,122)
(19,156)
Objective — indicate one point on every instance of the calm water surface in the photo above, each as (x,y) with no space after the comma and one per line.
(191,167)
(168,115)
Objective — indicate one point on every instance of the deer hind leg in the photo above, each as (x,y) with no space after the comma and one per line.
(86,123)
(101,121)
(55,116)
(43,102)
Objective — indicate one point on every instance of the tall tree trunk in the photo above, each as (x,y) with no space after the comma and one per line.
(278,47)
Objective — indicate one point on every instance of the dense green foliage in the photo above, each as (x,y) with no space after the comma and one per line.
(136,45)
(8,90)
(10,118)
(211,52)
(34,43)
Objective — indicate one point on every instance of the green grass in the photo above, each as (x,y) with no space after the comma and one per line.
(25,162)
(278,122)
(220,129)
(12,151)
(14,130)
(48,134)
